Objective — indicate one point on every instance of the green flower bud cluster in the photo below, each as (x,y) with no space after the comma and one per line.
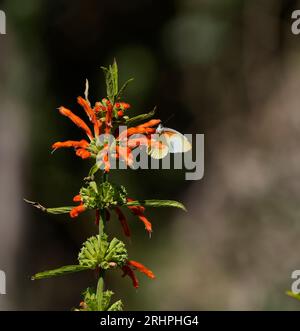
(102,253)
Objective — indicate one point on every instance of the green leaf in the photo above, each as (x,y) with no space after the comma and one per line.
(57,210)
(293,295)
(91,301)
(106,299)
(116,252)
(93,170)
(111,78)
(123,88)
(59,272)
(93,255)
(157,203)
(117,306)
(140,118)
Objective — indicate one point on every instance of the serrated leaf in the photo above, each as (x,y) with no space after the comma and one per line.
(114,73)
(59,271)
(111,78)
(117,306)
(106,299)
(90,300)
(140,118)
(93,255)
(157,203)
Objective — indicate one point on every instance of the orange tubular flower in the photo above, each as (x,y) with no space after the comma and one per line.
(140,267)
(77,210)
(77,198)
(139,211)
(146,128)
(129,272)
(135,142)
(124,105)
(127,269)
(87,108)
(149,124)
(91,114)
(83,153)
(125,154)
(140,130)
(123,221)
(76,120)
(71,143)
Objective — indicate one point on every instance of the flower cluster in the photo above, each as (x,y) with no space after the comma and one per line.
(98,253)
(106,196)
(102,116)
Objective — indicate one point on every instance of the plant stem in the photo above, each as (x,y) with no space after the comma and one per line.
(100,285)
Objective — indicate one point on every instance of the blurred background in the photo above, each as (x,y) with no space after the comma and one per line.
(227,68)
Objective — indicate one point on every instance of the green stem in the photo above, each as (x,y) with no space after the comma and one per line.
(100,285)
(100,288)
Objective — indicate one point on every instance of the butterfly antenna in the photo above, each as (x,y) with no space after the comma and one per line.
(168,119)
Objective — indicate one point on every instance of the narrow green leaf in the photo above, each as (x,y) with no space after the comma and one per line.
(93,170)
(123,88)
(114,75)
(157,203)
(141,117)
(59,272)
(111,78)
(57,210)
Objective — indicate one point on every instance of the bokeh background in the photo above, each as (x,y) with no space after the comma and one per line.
(227,68)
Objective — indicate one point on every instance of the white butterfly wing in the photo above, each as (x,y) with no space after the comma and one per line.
(160,146)
(177,142)
(158,153)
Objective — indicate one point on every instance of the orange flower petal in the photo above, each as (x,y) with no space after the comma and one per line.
(71,143)
(123,221)
(76,120)
(150,123)
(140,267)
(128,271)
(77,210)
(137,209)
(83,153)
(148,225)
(87,108)
(77,198)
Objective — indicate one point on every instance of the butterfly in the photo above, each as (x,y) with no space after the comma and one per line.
(166,141)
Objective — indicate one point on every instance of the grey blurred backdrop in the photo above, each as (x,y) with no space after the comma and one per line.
(227,68)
